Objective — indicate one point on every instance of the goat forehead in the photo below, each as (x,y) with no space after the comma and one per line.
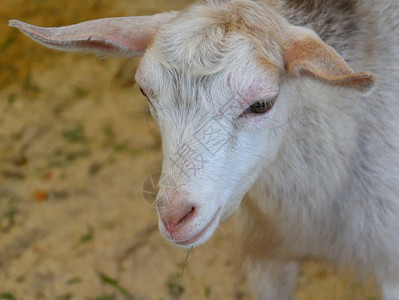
(226,92)
(201,36)
(192,58)
(201,51)
(193,98)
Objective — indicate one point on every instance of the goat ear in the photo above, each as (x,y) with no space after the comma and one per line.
(306,54)
(124,36)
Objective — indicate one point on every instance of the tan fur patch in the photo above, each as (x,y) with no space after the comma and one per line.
(310,56)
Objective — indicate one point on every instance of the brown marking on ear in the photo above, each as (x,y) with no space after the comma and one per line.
(310,56)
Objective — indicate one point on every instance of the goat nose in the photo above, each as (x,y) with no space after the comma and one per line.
(176,215)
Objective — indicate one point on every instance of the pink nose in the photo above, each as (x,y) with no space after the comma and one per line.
(175,214)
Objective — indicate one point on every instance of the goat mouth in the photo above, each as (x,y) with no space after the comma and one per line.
(199,234)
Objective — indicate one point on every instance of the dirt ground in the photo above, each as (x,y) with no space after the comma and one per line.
(76,145)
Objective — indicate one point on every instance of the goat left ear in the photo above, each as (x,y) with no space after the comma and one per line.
(123,36)
(306,54)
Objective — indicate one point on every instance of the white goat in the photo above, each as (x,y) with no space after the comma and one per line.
(248,96)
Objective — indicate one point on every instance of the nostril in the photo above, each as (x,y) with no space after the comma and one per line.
(177,220)
(186,216)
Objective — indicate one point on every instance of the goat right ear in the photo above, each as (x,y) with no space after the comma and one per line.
(124,36)
(307,55)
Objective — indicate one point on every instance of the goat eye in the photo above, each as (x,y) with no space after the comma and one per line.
(142,91)
(145,95)
(261,107)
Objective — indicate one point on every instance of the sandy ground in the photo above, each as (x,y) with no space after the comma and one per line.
(76,145)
